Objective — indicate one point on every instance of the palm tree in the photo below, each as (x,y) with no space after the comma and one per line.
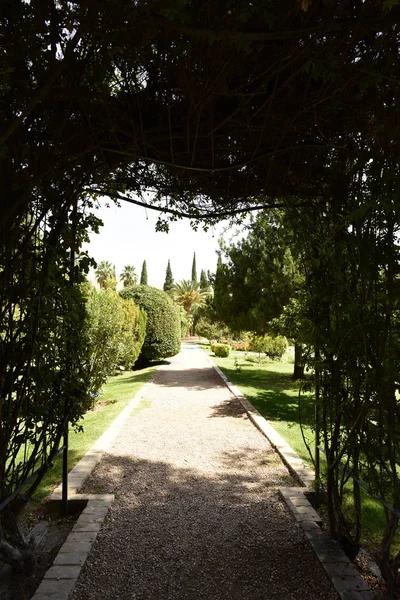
(129,276)
(189,295)
(105,272)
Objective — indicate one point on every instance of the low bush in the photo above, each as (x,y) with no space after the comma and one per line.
(273,347)
(163,330)
(257,359)
(241,346)
(221,350)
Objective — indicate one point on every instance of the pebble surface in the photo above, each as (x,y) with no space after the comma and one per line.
(197,514)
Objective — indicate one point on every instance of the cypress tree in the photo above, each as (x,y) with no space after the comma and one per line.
(218,300)
(194,269)
(143,275)
(204,283)
(169,280)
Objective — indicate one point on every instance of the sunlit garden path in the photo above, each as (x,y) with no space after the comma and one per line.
(197,513)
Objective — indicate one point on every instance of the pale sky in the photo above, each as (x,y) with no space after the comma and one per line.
(128,237)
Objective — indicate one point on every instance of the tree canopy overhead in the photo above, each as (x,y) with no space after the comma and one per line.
(212,107)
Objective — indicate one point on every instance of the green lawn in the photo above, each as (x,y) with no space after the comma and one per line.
(118,391)
(271,389)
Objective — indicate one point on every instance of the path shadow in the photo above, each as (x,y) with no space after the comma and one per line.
(275,395)
(228,408)
(182,534)
(192,379)
(141,365)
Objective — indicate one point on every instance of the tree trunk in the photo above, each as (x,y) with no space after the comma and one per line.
(298,372)
(21,560)
(382,556)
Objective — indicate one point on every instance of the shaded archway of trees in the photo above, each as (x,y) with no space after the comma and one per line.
(214,109)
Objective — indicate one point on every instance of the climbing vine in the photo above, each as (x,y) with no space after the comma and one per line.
(351,256)
(42,352)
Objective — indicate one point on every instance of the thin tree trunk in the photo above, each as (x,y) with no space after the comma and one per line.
(298,372)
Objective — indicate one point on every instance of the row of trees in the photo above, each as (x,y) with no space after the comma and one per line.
(189,294)
(161,339)
(135,326)
(107,279)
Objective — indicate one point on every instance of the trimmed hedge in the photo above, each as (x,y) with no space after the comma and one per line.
(163,330)
(221,350)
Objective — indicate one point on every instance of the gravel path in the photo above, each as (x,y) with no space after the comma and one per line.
(197,514)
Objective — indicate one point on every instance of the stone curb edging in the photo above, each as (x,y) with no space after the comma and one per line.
(344,576)
(60,580)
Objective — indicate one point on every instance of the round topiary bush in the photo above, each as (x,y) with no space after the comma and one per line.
(221,350)
(163,329)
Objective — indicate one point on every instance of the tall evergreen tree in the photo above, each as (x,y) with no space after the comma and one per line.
(218,300)
(143,275)
(169,280)
(194,269)
(204,283)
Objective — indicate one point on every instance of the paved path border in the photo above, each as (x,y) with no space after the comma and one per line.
(344,576)
(60,580)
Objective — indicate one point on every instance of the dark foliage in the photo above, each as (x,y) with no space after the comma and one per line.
(43,351)
(211,108)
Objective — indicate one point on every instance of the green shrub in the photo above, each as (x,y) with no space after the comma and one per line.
(210,331)
(256,359)
(221,350)
(133,333)
(241,346)
(114,330)
(163,330)
(273,347)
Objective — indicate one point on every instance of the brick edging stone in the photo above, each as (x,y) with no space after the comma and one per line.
(344,576)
